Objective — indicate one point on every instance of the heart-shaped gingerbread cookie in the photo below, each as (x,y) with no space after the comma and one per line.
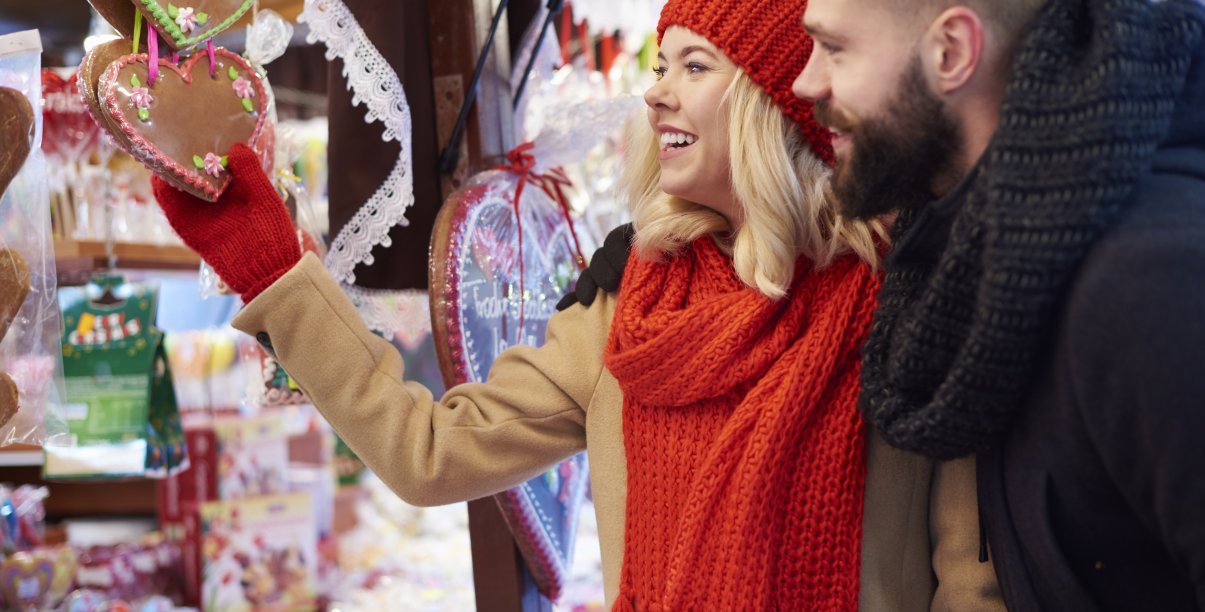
(190,22)
(119,13)
(88,78)
(16,134)
(10,399)
(14,286)
(183,125)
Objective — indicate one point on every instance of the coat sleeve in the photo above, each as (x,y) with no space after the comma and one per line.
(479,439)
(1136,328)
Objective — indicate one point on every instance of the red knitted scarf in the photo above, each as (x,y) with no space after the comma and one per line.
(744,447)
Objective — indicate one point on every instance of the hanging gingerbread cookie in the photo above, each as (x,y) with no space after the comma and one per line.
(180,121)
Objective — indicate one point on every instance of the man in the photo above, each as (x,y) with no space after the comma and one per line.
(1044,303)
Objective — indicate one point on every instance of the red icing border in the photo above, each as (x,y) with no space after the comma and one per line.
(146,151)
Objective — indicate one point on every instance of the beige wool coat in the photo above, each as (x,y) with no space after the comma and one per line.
(920,541)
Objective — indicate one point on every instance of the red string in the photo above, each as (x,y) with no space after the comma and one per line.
(522,162)
(566,33)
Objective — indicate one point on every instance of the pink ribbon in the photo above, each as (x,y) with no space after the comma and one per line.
(152,48)
(209,50)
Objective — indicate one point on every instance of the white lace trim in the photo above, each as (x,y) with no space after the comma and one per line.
(374,83)
(404,315)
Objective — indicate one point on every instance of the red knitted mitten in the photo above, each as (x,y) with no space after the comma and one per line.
(246,235)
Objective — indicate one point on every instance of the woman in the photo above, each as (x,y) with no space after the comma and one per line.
(715,394)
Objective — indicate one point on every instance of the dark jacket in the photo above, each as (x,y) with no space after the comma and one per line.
(1096,498)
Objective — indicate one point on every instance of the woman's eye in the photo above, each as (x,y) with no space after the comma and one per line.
(696,68)
(658,72)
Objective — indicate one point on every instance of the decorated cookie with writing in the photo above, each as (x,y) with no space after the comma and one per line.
(187,23)
(183,125)
(16,134)
(487,294)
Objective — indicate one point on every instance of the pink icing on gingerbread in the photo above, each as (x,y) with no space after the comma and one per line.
(213,165)
(186,19)
(141,97)
(243,88)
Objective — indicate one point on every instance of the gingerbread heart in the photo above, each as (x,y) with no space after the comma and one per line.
(88,78)
(16,134)
(184,26)
(182,126)
(14,286)
(25,581)
(9,399)
(119,13)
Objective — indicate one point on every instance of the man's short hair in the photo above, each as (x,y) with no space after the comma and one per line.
(1009,19)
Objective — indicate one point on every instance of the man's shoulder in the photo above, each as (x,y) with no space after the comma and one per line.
(1159,238)
(1134,307)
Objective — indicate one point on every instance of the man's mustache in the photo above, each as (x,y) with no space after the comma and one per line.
(831,118)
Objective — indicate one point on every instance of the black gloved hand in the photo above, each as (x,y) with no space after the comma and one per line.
(605,270)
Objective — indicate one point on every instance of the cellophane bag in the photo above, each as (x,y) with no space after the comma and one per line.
(29,353)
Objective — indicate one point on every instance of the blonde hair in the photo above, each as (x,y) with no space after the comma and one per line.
(781,185)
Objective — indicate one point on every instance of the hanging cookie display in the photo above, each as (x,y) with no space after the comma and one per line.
(180,121)
(502,254)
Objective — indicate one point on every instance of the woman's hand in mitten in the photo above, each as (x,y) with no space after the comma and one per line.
(246,235)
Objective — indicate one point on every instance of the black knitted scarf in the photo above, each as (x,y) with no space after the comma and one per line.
(958,336)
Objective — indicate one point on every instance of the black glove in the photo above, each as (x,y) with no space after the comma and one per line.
(605,270)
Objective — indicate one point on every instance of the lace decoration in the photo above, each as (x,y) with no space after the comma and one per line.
(375,84)
(404,315)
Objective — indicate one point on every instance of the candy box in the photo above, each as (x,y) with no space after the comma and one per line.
(257,553)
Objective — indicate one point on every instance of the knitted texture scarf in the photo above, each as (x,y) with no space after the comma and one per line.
(744,447)
(957,336)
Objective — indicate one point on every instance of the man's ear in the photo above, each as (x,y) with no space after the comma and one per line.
(952,49)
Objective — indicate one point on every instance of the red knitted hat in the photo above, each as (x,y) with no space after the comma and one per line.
(766,39)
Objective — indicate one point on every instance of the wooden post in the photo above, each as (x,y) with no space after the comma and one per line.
(458,31)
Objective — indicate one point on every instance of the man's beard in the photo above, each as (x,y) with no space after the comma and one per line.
(896,158)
